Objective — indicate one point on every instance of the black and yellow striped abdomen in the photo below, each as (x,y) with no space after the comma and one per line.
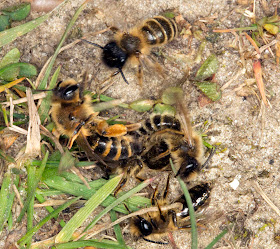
(159,122)
(115,148)
(159,30)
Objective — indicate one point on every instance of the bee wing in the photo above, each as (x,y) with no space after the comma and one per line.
(184,119)
(84,144)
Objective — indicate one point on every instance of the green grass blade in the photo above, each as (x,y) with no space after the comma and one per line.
(77,189)
(31,182)
(216,239)
(4,197)
(10,35)
(117,229)
(118,201)
(46,102)
(43,83)
(66,233)
(22,241)
(194,244)
(31,194)
(93,243)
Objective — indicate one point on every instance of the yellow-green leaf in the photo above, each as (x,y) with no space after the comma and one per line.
(208,68)
(11,57)
(210,89)
(17,12)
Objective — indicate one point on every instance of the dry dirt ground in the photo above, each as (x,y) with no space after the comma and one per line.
(247,133)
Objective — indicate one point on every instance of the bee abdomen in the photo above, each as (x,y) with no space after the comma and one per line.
(199,195)
(115,148)
(159,30)
(158,123)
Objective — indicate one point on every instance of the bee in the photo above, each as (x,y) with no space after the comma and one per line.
(114,148)
(153,225)
(130,46)
(71,109)
(74,115)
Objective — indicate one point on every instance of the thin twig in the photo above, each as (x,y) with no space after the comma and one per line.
(258,188)
(234,78)
(17,195)
(23,100)
(78,173)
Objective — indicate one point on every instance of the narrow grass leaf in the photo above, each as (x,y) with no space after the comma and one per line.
(46,102)
(17,12)
(31,194)
(215,240)
(194,244)
(117,229)
(66,233)
(10,35)
(118,201)
(4,197)
(77,189)
(31,182)
(22,241)
(43,83)
(92,243)
(12,56)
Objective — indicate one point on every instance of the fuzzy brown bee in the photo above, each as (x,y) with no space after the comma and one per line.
(74,115)
(154,225)
(138,42)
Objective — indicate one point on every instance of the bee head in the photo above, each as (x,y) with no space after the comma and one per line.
(188,166)
(113,56)
(144,226)
(67,90)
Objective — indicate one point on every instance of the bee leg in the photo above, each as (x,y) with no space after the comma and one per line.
(139,70)
(212,153)
(138,168)
(121,184)
(123,181)
(166,187)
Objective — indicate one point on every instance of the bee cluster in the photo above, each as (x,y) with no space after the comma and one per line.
(129,149)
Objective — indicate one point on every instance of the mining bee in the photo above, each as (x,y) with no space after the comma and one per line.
(133,45)
(74,116)
(153,226)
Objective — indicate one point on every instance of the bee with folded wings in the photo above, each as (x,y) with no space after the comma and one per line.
(132,46)
(153,226)
(74,116)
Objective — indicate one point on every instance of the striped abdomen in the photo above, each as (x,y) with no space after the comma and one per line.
(159,30)
(115,148)
(158,123)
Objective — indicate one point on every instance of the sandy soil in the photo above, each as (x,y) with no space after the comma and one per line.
(246,130)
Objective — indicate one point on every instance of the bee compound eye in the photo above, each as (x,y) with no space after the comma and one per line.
(146,227)
(71,117)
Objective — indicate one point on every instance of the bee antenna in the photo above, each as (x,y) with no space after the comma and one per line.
(213,150)
(43,90)
(120,70)
(156,242)
(94,44)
